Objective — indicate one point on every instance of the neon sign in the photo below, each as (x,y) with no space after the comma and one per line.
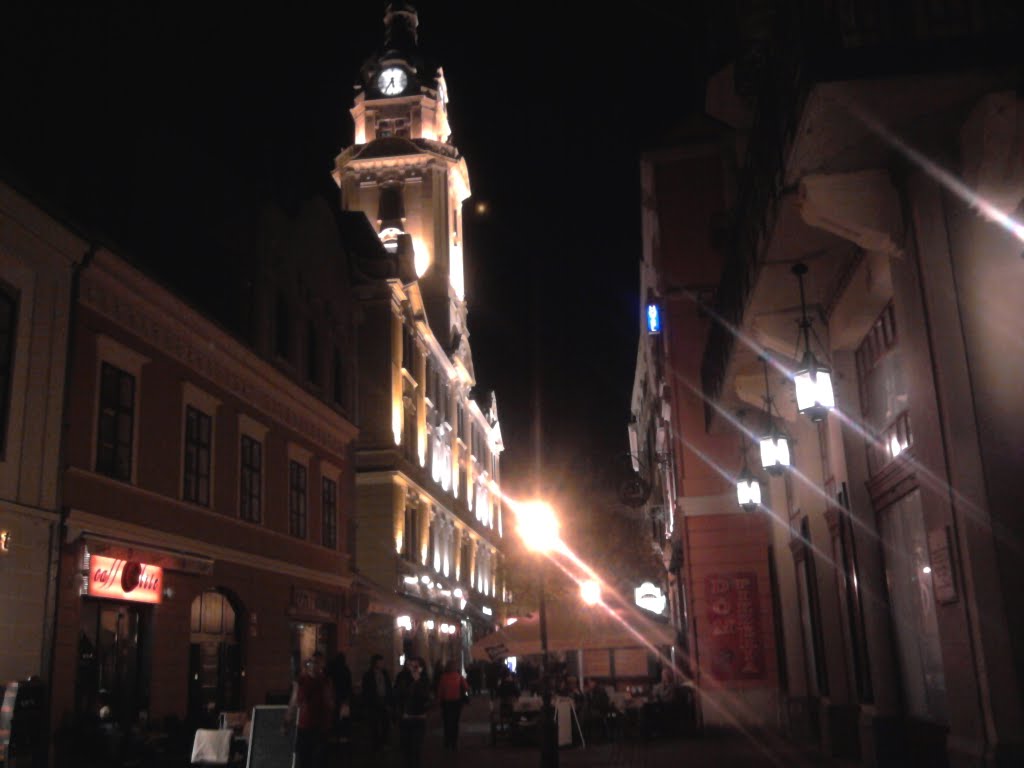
(125,580)
(653,318)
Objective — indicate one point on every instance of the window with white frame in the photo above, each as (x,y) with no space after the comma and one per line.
(298,491)
(198,444)
(329,505)
(411,534)
(198,413)
(329,510)
(250,486)
(118,372)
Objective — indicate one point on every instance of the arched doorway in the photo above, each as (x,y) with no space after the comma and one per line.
(215,657)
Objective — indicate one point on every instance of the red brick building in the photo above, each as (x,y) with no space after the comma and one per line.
(718,569)
(207,492)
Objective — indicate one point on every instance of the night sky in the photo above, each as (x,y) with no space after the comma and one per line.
(147,131)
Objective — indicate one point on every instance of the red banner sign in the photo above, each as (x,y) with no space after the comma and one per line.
(125,580)
(734,619)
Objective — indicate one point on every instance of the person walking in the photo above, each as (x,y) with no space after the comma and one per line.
(412,692)
(341,681)
(452,692)
(313,700)
(377,702)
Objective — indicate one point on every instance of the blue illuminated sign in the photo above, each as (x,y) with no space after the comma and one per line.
(653,319)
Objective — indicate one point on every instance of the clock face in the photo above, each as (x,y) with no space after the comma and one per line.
(392,81)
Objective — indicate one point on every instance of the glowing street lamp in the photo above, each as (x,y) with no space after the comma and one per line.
(538,528)
(590,592)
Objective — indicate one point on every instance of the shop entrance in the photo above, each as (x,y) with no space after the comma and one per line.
(112,680)
(307,639)
(215,658)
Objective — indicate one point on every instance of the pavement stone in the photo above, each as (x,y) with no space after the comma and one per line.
(726,749)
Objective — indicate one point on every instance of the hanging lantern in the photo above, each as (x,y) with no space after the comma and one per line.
(775,457)
(775,453)
(813,379)
(748,491)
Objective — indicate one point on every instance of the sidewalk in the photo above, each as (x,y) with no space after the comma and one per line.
(716,750)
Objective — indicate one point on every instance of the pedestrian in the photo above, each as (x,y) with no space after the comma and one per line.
(412,692)
(452,692)
(341,680)
(313,700)
(377,702)
(475,676)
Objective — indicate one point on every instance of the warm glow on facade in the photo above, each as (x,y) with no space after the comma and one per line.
(421,256)
(456,270)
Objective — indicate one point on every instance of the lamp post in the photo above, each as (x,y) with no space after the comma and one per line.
(538,528)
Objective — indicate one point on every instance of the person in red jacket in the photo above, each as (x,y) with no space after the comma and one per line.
(313,697)
(452,690)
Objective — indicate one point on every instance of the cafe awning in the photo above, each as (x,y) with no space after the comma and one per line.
(576,629)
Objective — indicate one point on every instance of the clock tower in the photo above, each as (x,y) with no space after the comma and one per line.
(406,175)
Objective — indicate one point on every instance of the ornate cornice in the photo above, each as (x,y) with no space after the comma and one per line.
(117,291)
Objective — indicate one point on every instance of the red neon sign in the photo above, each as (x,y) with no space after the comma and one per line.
(125,580)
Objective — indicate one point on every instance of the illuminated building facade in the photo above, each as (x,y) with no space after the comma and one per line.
(429,509)
(717,557)
(894,539)
(207,483)
(37,261)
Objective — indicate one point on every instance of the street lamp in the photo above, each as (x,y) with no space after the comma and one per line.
(538,528)
(590,592)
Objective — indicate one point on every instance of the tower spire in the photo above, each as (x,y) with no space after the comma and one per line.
(400,23)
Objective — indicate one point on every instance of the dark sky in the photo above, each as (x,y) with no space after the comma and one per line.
(149,129)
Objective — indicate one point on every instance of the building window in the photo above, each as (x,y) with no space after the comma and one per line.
(466,560)
(312,354)
(8,330)
(297,499)
(409,350)
(116,423)
(329,529)
(433,552)
(251,490)
(282,329)
(884,394)
(198,441)
(393,126)
(912,599)
(411,535)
